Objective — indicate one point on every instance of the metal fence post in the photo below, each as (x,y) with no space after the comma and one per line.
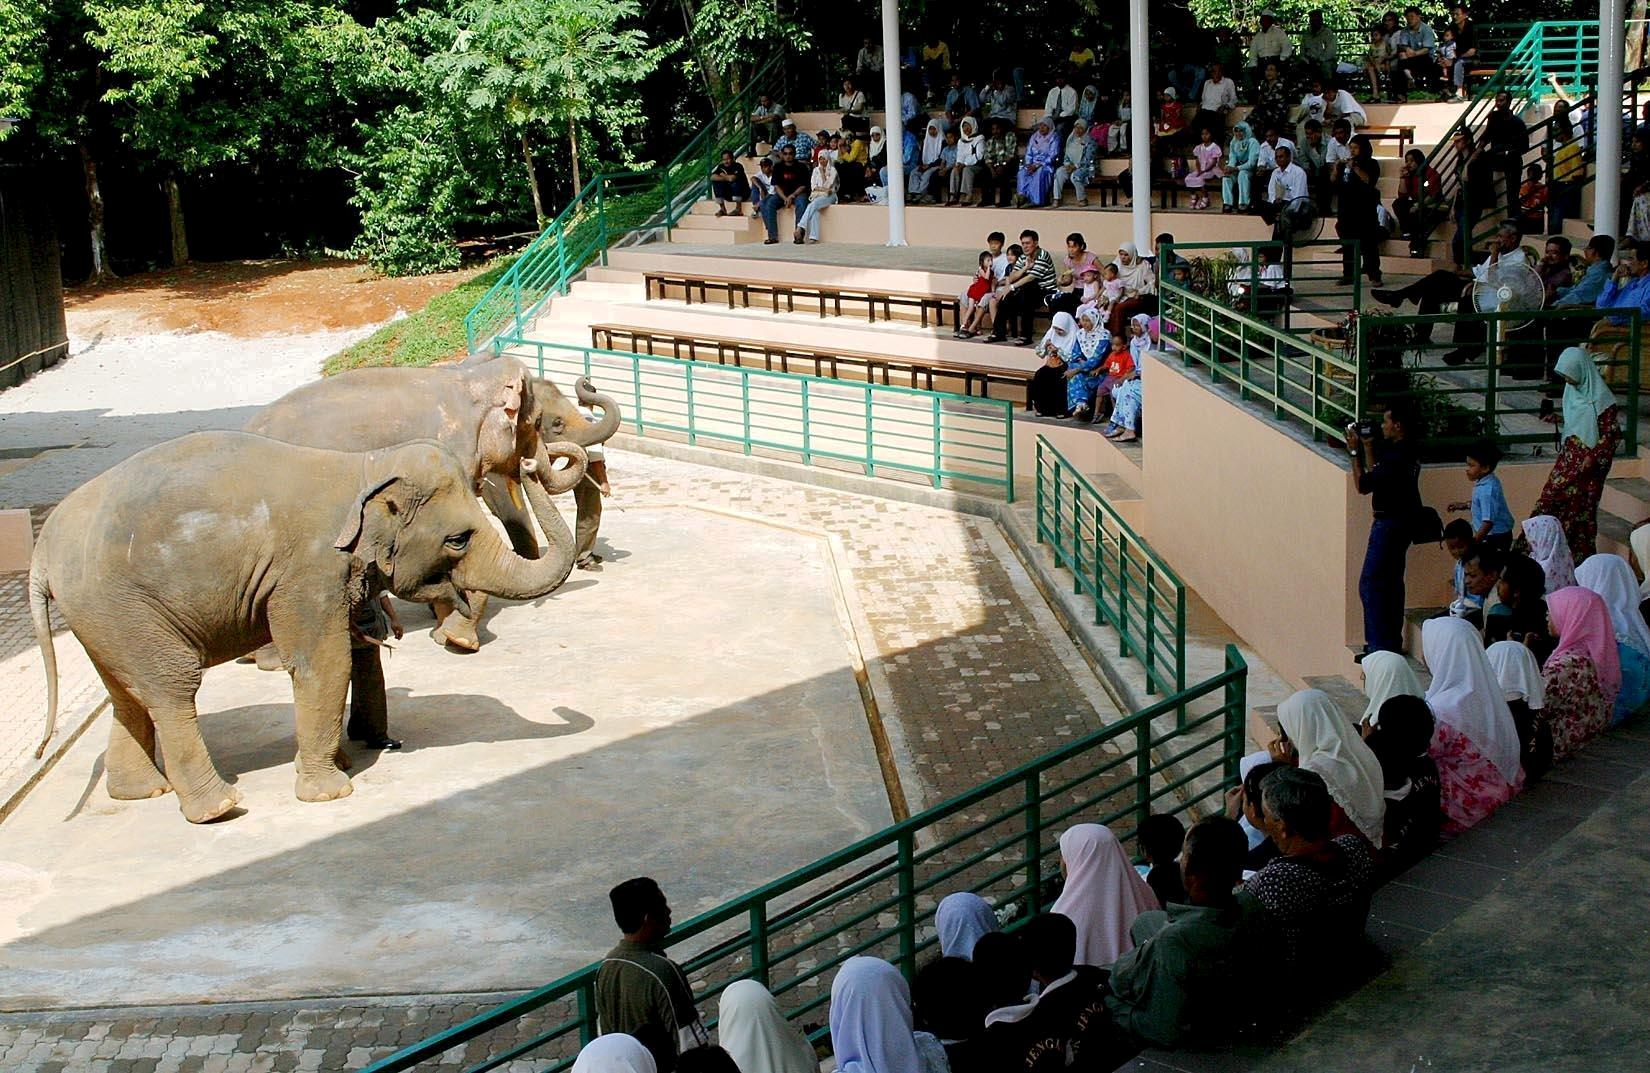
(687,373)
(870,450)
(745,401)
(587,1012)
(1008,439)
(1142,772)
(939,462)
(1037,488)
(636,380)
(1635,358)
(1122,590)
(1236,701)
(807,434)
(1151,648)
(907,904)
(1077,545)
(1034,842)
(759,942)
(669,204)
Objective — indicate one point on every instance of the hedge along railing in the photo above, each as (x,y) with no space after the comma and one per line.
(609,207)
(1299,378)
(1133,589)
(877,896)
(1312,274)
(1484,396)
(881,428)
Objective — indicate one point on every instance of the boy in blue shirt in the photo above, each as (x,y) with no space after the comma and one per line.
(1459,543)
(1492,520)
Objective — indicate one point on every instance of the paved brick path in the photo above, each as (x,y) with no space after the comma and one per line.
(975,677)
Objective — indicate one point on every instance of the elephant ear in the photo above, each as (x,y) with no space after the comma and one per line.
(374,519)
(500,394)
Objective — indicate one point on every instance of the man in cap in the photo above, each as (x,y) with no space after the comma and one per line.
(801,141)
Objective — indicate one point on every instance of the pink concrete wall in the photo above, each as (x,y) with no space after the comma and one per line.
(1430,567)
(936,225)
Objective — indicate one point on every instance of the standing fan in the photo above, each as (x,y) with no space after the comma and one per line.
(1509,288)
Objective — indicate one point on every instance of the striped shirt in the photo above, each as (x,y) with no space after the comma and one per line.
(1042,270)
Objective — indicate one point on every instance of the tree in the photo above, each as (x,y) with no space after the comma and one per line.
(557,64)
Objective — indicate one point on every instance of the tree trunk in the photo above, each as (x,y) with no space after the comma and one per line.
(573,153)
(174,213)
(94,215)
(532,179)
(715,85)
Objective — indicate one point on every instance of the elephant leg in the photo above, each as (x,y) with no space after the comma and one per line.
(129,761)
(454,629)
(588,498)
(203,796)
(318,706)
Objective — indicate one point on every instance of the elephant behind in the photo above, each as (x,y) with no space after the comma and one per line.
(203,548)
(490,412)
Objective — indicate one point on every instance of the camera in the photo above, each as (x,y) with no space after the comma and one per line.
(1364,429)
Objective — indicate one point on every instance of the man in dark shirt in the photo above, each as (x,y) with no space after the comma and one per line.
(790,186)
(1388,470)
(1506,139)
(640,991)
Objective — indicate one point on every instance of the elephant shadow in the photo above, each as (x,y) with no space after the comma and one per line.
(257,737)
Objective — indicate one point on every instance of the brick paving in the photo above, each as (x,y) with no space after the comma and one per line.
(974,677)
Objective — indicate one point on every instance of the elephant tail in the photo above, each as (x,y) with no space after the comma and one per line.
(40,595)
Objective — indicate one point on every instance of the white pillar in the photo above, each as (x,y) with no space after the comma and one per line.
(894,133)
(1606,121)
(1140,134)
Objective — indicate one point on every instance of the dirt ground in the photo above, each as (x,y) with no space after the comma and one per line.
(251,298)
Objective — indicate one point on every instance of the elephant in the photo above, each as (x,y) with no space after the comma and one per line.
(203,548)
(489,411)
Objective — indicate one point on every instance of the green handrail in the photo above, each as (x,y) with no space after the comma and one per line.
(610,206)
(884,429)
(793,933)
(1133,588)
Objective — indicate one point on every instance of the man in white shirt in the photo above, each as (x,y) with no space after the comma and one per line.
(1061,106)
(1288,182)
(1219,97)
(1431,294)
(1270,43)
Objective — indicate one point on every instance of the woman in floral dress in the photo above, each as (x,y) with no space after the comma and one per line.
(1581,677)
(1475,744)
(1591,432)
(1083,370)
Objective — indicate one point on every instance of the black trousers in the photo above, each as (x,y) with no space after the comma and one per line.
(1422,71)
(1017,312)
(369,714)
(1368,237)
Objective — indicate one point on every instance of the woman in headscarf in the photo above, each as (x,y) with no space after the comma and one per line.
(1327,744)
(1139,288)
(877,149)
(1582,677)
(1591,432)
(822,188)
(1077,166)
(1088,104)
(1103,893)
(1357,212)
(929,163)
(1476,742)
(614,1053)
(1126,394)
(1084,364)
(1037,172)
(1519,673)
(752,1029)
(1612,578)
(1046,390)
(1545,535)
(1238,169)
(961,919)
(970,161)
(871,1024)
(1387,675)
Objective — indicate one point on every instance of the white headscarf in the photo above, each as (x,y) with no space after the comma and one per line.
(1077,143)
(1612,578)
(933,140)
(871,1019)
(1094,341)
(1062,333)
(961,919)
(752,1029)
(1387,675)
(1139,344)
(614,1053)
(878,142)
(1103,893)
(1466,694)
(1639,541)
(1328,745)
(1137,275)
(1585,399)
(1549,547)
(1518,672)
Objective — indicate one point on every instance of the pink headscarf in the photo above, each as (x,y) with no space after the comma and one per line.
(1584,626)
(1103,893)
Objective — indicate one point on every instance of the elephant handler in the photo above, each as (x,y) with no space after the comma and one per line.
(587,499)
(369,712)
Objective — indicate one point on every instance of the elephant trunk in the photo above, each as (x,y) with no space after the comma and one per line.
(540,469)
(492,567)
(601,430)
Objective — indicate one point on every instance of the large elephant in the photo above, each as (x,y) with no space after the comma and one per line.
(490,412)
(201,549)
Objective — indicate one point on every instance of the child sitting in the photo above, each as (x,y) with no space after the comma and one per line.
(1448,49)
(1492,520)
(1532,201)
(1161,837)
(1377,61)
(1459,543)
(978,300)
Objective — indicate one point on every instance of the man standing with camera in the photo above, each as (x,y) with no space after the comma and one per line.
(1386,468)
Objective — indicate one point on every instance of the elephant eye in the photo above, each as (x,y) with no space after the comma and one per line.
(557,424)
(459,541)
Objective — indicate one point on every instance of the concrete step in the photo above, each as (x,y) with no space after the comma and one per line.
(1347,697)
(1613,531)
(699,221)
(1115,488)
(683,236)
(1628,497)
(609,274)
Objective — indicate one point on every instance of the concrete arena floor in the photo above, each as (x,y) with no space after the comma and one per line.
(679,713)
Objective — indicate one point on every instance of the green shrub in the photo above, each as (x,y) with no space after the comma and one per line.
(432,334)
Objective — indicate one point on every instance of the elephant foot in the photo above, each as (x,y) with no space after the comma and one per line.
(137,786)
(268,658)
(209,805)
(458,632)
(323,786)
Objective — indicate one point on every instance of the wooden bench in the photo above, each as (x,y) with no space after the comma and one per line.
(1403,134)
(976,380)
(829,297)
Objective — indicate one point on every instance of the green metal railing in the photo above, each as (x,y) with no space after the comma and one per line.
(1497,391)
(877,896)
(1312,276)
(882,428)
(1300,376)
(609,207)
(1134,590)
